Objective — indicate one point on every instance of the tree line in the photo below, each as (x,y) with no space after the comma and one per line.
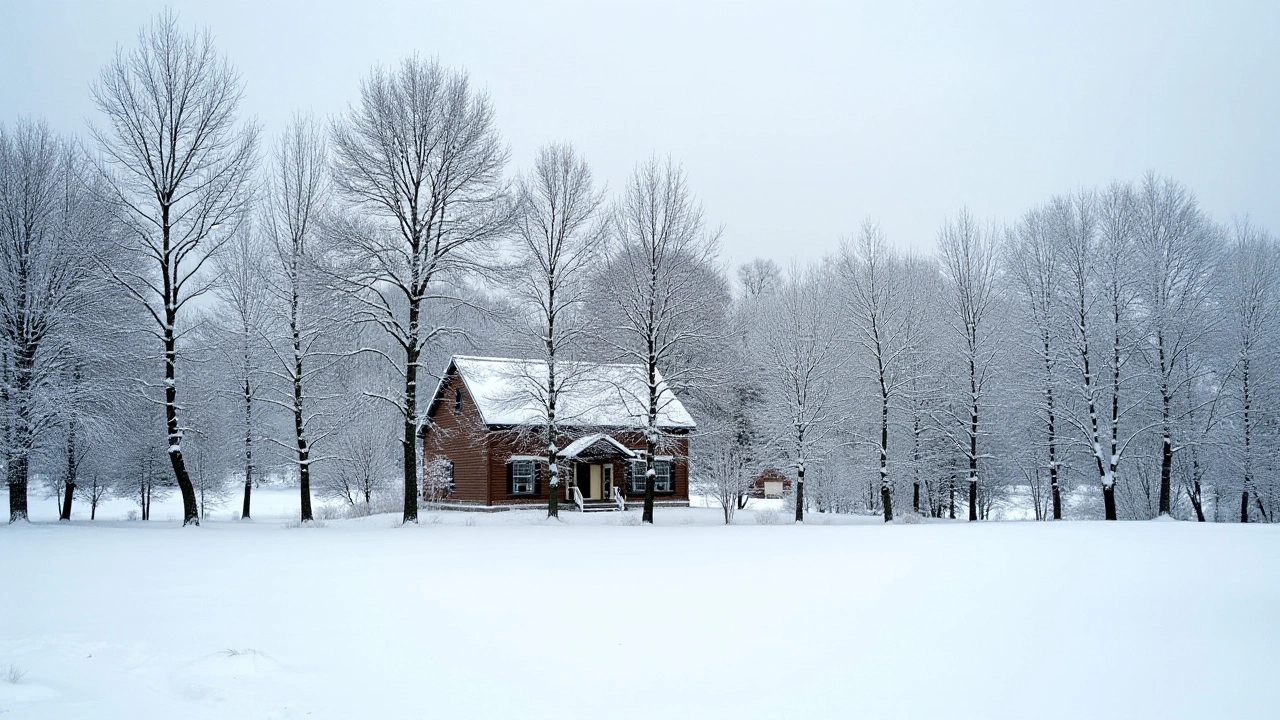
(186,306)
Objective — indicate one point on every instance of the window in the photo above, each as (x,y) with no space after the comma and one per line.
(457,398)
(522,477)
(663,479)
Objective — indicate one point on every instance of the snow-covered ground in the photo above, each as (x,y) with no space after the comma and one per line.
(509,616)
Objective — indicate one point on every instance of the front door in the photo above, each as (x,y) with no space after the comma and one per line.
(597,483)
(582,473)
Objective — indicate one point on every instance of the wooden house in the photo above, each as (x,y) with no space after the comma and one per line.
(771,483)
(484,442)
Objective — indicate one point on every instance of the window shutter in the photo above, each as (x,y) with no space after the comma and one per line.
(510,486)
(626,472)
(537,478)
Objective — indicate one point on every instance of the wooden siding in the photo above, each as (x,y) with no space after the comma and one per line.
(505,443)
(460,436)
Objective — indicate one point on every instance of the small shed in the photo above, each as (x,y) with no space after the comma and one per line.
(771,483)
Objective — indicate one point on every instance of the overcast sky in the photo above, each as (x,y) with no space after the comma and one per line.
(794,122)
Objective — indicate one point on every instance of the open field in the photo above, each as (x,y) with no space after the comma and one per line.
(506,615)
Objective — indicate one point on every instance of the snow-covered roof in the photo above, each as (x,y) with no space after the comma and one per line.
(575,448)
(509,392)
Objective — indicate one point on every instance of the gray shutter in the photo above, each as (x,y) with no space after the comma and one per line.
(510,478)
(537,478)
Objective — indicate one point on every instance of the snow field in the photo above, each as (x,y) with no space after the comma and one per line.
(509,615)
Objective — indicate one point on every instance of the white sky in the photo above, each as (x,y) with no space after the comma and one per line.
(793,121)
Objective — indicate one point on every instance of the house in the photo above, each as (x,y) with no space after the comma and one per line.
(484,443)
(770,483)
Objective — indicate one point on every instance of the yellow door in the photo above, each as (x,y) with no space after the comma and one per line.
(597,482)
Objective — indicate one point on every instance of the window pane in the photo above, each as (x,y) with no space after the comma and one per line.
(522,476)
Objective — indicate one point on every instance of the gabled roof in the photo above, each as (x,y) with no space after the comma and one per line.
(510,392)
(577,447)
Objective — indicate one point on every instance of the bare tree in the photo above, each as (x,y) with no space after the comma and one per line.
(177,173)
(1035,261)
(665,290)
(1251,301)
(50,240)
(798,351)
(726,468)
(1097,232)
(560,238)
(758,277)
(363,461)
(883,324)
(1177,251)
(242,290)
(970,264)
(421,156)
(309,317)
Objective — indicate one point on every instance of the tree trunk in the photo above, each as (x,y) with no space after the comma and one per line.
(248,447)
(190,515)
(21,432)
(1109,501)
(886,497)
(17,489)
(553,470)
(1166,430)
(1244,506)
(304,450)
(410,418)
(70,484)
(800,494)
(915,497)
(1197,502)
(973,431)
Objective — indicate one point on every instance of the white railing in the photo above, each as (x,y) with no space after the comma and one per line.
(620,498)
(577,497)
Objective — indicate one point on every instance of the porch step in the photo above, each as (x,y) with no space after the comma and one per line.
(606,506)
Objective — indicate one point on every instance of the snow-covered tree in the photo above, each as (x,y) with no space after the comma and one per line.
(242,292)
(560,237)
(50,242)
(798,352)
(1035,258)
(666,297)
(177,172)
(1250,301)
(308,318)
(884,321)
(1177,250)
(970,263)
(421,162)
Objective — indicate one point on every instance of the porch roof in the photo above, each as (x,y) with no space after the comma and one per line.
(577,447)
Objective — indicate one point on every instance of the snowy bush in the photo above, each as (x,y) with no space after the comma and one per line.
(767,517)
(298,523)
(910,519)
(12,674)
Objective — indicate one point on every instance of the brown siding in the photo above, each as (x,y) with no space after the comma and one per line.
(460,436)
(504,444)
